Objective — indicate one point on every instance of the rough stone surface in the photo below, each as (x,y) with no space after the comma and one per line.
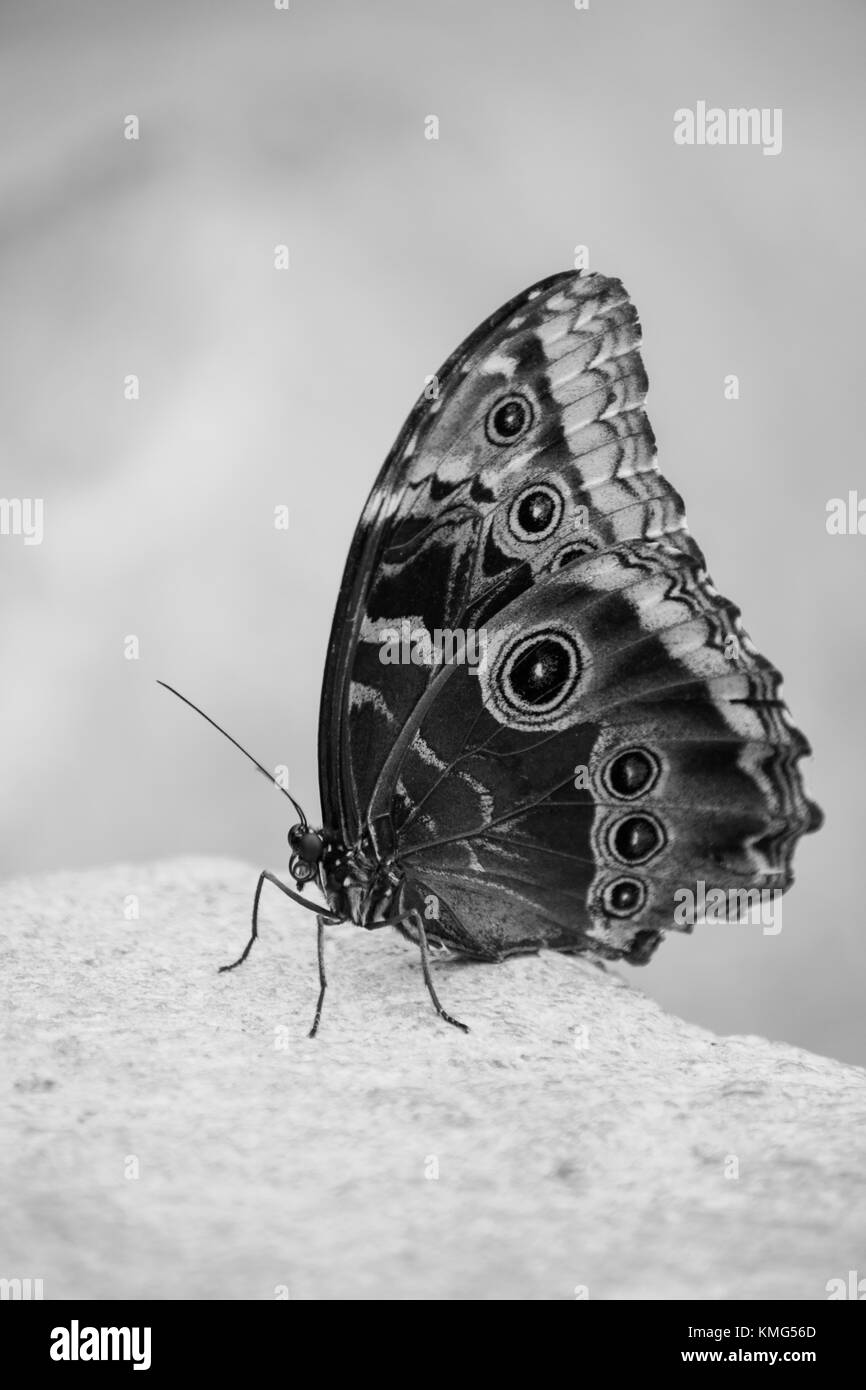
(584,1140)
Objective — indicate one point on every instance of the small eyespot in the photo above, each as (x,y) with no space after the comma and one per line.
(636,839)
(624,897)
(535,513)
(508,420)
(571,555)
(632,773)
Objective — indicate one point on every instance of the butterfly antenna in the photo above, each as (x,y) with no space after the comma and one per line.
(237,745)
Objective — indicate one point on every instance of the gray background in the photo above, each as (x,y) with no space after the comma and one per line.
(258,388)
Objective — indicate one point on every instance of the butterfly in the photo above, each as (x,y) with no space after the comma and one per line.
(539,718)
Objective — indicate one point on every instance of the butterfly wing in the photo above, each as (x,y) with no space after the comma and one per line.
(406,497)
(430,538)
(622,742)
(522,501)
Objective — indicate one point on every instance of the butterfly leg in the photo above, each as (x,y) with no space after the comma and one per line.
(323,982)
(425,966)
(296,897)
(395,921)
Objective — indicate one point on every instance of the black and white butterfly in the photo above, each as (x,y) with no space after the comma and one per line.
(619,739)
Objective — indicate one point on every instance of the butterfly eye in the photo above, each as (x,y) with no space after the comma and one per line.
(306,843)
(624,897)
(508,420)
(310,847)
(536,513)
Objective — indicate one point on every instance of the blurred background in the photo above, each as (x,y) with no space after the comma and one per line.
(262,387)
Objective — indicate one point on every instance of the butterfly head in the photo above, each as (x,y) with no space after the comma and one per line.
(307,848)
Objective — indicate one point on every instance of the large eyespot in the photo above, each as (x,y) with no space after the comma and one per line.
(624,897)
(636,839)
(535,513)
(632,773)
(540,672)
(508,420)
